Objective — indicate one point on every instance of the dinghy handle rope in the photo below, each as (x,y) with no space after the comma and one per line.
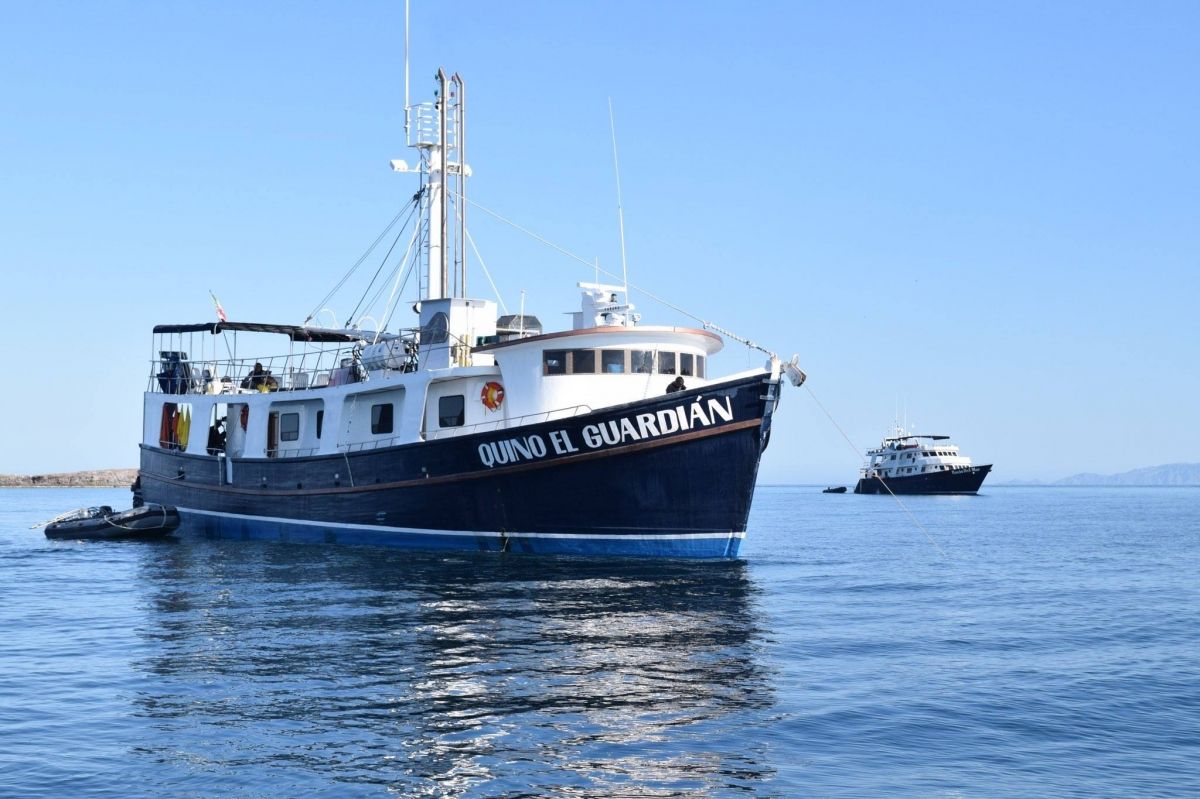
(856,450)
(161,524)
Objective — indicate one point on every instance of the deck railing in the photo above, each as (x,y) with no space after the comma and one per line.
(505,424)
(173,373)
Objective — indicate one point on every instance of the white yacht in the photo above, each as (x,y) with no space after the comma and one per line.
(906,463)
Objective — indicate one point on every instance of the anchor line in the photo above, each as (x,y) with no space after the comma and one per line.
(929,537)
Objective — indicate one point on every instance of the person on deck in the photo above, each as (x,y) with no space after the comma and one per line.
(676,385)
(257,378)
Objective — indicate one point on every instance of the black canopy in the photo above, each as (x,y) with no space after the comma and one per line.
(294,332)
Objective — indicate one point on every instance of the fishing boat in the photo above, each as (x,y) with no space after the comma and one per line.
(905,463)
(468,429)
(834,490)
(102,523)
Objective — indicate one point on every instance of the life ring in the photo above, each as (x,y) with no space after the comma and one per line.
(492,395)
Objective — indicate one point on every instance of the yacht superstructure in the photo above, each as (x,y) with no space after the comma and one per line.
(919,464)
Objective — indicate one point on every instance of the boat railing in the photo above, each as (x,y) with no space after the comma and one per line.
(303,452)
(425,128)
(505,424)
(173,373)
(478,427)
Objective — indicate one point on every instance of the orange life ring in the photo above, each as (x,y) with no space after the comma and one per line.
(492,395)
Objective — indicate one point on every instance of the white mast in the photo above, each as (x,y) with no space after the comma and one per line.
(437,131)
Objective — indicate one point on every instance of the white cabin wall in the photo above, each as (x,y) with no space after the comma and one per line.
(467,322)
(354,426)
(307,410)
(529,391)
(474,411)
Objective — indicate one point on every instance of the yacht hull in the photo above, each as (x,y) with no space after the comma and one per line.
(956,481)
(667,476)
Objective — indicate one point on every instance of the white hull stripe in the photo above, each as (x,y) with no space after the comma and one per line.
(468,533)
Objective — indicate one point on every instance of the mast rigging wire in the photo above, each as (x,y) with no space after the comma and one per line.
(591,265)
(325,301)
(382,263)
(487,273)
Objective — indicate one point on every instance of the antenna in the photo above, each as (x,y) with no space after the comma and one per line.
(612,124)
(406,124)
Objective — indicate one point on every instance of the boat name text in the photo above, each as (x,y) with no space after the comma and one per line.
(611,433)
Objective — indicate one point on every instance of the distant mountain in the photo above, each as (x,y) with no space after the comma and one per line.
(1172,474)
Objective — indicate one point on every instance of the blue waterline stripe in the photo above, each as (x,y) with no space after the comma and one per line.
(469,533)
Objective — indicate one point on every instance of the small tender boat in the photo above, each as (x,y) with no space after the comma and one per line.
(835,490)
(147,521)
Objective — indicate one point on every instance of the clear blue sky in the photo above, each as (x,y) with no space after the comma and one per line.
(988,213)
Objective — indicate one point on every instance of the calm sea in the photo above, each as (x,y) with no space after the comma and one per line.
(1027,642)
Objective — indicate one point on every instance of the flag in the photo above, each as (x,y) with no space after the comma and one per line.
(220,310)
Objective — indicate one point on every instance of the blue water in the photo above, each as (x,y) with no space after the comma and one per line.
(1026,642)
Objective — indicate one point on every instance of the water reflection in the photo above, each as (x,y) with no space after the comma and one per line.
(325,668)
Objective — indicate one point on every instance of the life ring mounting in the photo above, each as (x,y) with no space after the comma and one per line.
(492,395)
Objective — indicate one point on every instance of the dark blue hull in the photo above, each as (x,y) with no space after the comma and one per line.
(668,476)
(957,481)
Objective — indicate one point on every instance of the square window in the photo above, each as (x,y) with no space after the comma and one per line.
(612,362)
(583,362)
(554,362)
(451,411)
(686,361)
(666,363)
(641,362)
(289,426)
(381,419)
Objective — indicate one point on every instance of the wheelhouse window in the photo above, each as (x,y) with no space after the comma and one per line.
(612,362)
(381,419)
(700,366)
(583,362)
(554,362)
(452,410)
(289,426)
(666,363)
(687,364)
(641,361)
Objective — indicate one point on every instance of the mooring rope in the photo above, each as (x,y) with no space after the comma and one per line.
(882,482)
(161,523)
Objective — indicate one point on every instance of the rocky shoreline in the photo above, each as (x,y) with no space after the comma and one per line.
(99,478)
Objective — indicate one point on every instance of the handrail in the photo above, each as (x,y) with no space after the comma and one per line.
(302,452)
(504,424)
(171,374)
(174,373)
(453,432)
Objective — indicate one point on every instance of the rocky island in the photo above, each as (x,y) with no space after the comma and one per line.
(99,478)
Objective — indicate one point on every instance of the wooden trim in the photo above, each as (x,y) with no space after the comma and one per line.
(732,427)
